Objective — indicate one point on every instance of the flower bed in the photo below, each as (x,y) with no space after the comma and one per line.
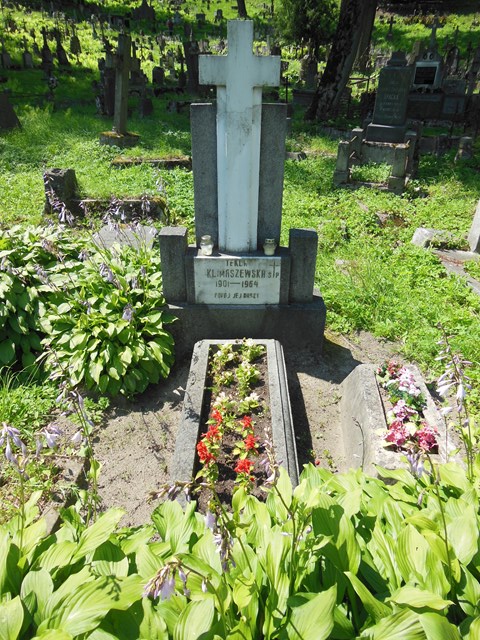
(408,429)
(237,418)
(380,423)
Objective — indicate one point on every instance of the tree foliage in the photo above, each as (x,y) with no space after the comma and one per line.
(307,22)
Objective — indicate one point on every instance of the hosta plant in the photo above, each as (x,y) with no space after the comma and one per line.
(341,556)
(104,322)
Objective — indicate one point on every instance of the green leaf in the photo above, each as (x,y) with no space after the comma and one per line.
(11,618)
(153,625)
(419,598)
(95,369)
(436,626)
(454,475)
(311,617)
(403,625)
(54,634)
(463,535)
(7,351)
(97,533)
(375,609)
(39,583)
(195,619)
(58,555)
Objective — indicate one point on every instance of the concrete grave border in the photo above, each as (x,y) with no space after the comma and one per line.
(364,424)
(183,466)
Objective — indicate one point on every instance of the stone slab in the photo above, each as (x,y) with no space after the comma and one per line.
(474,233)
(297,326)
(138,237)
(385,133)
(364,425)
(425,237)
(237,280)
(183,466)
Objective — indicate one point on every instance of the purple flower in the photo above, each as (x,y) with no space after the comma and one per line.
(128,313)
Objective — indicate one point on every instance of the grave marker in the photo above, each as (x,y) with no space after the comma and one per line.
(242,283)
(239,99)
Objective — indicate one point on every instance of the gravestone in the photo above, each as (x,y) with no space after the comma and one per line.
(8,117)
(119,135)
(192,53)
(144,12)
(240,283)
(474,233)
(390,111)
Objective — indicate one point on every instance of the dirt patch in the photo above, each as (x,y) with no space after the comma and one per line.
(137,441)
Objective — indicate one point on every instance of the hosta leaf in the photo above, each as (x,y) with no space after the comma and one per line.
(40,583)
(97,533)
(463,535)
(7,351)
(153,625)
(95,369)
(403,625)
(419,598)
(375,609)
(436,626)
(195,619)
(311,617)
(11,618)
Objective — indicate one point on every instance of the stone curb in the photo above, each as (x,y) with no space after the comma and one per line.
(183,462)
(364,425)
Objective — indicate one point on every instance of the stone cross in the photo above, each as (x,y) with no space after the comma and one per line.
(122,74)
(239,78)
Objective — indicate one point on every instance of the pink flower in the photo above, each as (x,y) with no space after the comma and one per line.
(427,437)
(402,410)
(397,433)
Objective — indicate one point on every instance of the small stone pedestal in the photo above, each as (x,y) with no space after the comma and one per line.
(114,139)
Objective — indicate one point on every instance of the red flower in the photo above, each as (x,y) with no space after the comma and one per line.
(246,422)
(250,442)
(217,416)
(212,433)
(244,466)
(204,454)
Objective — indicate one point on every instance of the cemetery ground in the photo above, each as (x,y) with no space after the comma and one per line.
(385,297)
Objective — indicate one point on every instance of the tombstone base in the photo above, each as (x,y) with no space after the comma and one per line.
(297,325)
(114,139)
(385,133)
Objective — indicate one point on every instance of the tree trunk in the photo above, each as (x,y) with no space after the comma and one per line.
(363,52)
(353,20)
(242,9)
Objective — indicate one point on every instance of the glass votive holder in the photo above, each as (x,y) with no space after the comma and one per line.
(206,245)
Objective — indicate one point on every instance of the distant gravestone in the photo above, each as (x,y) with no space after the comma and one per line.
(390,111)
(191,52)
(137,236)
(8,117)
(144,12)
(474,233)
(119,136)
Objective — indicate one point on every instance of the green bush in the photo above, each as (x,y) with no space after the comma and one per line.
(95,316)
(341,556)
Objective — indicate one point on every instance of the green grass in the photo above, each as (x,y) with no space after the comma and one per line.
(384,285)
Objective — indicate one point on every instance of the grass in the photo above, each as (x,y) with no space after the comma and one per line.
(370,275)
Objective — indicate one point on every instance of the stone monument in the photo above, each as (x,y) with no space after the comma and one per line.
(119,136)
(240,282)
(388,138)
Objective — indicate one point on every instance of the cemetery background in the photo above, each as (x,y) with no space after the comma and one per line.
(358,230)
(367,269)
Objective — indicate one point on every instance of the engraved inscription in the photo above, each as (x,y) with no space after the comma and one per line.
(237,280)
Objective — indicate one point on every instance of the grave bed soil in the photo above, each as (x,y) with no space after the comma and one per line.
(136,443)
(225,484)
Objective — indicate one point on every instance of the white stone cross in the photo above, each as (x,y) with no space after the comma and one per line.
(239,77)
